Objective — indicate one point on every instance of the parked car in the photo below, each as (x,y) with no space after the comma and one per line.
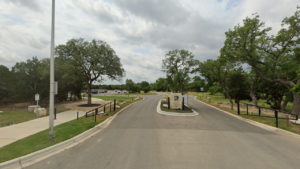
(105,91)
(93,91)
(121,91)
(101,90)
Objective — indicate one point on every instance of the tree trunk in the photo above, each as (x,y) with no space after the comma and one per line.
(296,103)
(89,94)
(230,100)
(253,97)
(283,106)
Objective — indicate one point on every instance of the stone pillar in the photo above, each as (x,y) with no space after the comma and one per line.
(176,101)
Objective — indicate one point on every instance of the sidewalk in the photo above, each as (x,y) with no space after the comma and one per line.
(16,132)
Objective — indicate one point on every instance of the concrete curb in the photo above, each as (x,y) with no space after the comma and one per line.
(32,158)
(261,125)
(174,114)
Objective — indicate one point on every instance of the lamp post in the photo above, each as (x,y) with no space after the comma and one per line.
(51,102)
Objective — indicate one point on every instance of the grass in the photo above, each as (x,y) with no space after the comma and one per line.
(219,97)
(282,123)
(62,132)
(111,98)
(15,117)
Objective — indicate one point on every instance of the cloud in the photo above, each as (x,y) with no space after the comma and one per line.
(139,31)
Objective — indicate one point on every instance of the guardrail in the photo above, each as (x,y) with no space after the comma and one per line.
(95,111)
(271,113)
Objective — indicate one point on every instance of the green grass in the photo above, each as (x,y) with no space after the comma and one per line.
(111,98)
(282,123)
(219,97)
(16,117)
(62,132)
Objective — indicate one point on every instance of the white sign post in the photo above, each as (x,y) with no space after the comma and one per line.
(201,89)
(37,98)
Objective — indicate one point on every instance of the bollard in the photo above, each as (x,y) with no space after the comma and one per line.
(238,106)
(55,114)
(182,103)
(276,116)
(168,102)
(104,109)
(110,107)
(247,109)
(114,104)
(77,115)
(259,112)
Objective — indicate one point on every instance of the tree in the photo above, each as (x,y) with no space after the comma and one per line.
(278,54)
(178,64)
(6,80)
(129,84)
(197,83)
(90,61)
(218,71)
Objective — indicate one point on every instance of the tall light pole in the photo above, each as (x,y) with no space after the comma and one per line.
(51,104)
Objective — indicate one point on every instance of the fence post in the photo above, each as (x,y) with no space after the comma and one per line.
(96,112)
(182,103)
(104,109)
(114,104)
(247,109)
(55,114)
(259,112)
(238,106)
(287,121)
(276,116)
(168,102)
(110,107)
(296,116)
(77,115)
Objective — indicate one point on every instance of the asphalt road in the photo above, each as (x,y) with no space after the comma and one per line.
(140,138)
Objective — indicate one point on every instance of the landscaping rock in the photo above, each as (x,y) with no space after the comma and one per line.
(32,107)
(117,107)
(42,112)
(1,111)
(165,105)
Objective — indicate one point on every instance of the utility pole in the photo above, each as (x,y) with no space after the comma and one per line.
(51,103)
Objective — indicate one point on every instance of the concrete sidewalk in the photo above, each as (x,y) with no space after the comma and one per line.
(16,132)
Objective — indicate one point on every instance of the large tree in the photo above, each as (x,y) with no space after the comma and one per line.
(278,54)
(178,64)
(218,71)
(91,60)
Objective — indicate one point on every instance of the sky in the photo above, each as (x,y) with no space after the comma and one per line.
(140,31)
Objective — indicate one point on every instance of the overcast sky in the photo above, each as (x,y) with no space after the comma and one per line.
(140,31)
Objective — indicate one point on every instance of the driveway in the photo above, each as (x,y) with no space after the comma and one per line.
(140,138)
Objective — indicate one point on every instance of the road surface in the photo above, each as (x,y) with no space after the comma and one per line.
(140,138)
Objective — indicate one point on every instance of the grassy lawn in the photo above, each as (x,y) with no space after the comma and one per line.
(219,97)
(282,123)
(62,132)
(15,117)
(111,98)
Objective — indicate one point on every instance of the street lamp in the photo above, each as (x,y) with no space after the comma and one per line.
(52,85)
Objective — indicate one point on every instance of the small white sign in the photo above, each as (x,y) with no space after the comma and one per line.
(185,98)
(37,97)
(202,89)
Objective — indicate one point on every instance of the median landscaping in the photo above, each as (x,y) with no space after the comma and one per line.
(62,133)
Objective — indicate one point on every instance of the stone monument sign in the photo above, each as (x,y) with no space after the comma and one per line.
(176,101)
